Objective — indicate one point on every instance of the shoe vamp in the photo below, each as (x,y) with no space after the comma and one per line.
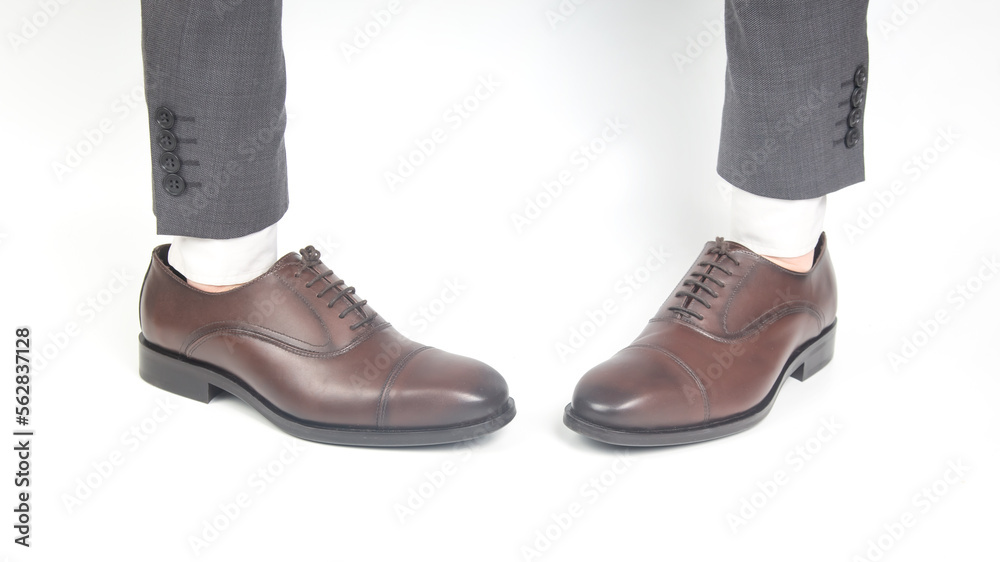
(735,374)
(341,388)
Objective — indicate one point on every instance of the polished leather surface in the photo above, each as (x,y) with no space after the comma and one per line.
(688,371)
(284,341)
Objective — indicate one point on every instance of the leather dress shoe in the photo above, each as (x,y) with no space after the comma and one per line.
(712,360)
(299,346)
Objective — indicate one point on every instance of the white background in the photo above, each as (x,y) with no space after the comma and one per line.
(64,239)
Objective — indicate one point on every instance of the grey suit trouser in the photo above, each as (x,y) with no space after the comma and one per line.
(792,122)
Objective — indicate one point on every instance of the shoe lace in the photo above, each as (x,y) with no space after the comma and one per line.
(699,280)
(310,258)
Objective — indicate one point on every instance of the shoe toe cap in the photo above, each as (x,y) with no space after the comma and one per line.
(639,389)
(439,389)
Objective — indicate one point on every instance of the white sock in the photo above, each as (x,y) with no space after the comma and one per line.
(225,262)
(776,227)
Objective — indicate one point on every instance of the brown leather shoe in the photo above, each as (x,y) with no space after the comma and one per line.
(298,345)
(711,362)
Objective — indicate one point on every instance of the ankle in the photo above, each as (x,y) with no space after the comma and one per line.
(798,264)
(213,288)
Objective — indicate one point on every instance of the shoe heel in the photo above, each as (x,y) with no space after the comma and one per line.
(816,354)
(174,375)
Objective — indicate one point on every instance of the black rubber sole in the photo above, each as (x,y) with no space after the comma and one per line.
(202,382)
(804,362)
